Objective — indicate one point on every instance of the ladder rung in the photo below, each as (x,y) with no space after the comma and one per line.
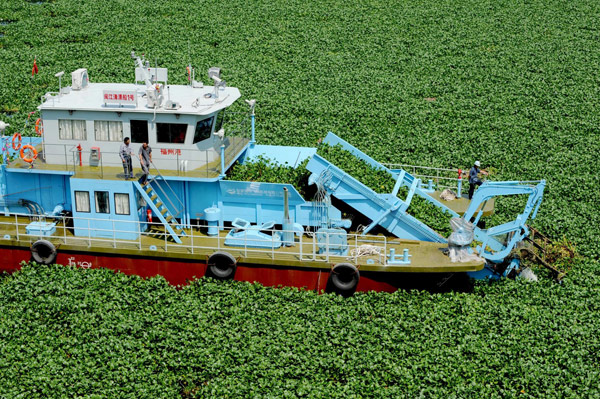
(163,211)
(168,218)
(149,189)
(153,197)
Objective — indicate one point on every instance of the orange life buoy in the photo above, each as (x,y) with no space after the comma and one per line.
(16,140)
(34,153)
(39,126)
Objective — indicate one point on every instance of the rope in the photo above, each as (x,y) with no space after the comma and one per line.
(365,250)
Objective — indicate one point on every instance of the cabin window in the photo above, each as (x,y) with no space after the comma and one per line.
(173,133)
(108,130)
(203,130)
(121,204)
(82,201)
(70,129)
(102,205)
(219,120)
(139,131)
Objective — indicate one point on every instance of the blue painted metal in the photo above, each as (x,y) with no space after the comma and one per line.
(333,241)
(385,210)
(108,225)
(244,234)
(160,210)
(404,260)
(212,217)
(515,230)
(513,265)
(222,161)
(253,141)
(259,202)
(41,228)
(282,155)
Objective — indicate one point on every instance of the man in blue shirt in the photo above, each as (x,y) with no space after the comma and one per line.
(474,179)
(145,154)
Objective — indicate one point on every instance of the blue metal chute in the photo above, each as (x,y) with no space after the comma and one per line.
(384,210)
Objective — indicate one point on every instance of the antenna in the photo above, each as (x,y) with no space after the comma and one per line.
(59,76)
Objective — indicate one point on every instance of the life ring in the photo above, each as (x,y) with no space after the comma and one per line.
(43,252)
(17,139)
(39,126)
(221,265)
(33,151)
(344,278)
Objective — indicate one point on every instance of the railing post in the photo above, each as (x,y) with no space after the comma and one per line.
(66,158)
(17,225)
(65,230)
(314,251)
(384,250)
(89,234)
(222,161)
(140,234)
(253,141)
(192,238)
(327,247)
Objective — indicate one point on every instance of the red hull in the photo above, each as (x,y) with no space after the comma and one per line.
(180,272)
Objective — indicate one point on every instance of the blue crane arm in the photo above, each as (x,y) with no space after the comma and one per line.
(515,230)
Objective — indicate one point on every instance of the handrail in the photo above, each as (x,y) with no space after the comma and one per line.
(304,249)
(165,194)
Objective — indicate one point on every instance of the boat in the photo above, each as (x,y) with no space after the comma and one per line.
(66,197)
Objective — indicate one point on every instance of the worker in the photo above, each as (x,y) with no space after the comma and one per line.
(126,152)
(474,179)
(145,154)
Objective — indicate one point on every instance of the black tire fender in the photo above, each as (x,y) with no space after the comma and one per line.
(344,277)
(43,252)
(222,265)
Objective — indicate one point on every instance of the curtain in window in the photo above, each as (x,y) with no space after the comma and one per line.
(65,129)
(122,204)
(78,128)
(108,130)
(69,129)
(82,201)
(101,130)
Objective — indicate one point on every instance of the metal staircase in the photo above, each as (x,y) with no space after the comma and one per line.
(154,201)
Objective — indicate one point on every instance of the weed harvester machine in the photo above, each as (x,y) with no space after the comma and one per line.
(495,248)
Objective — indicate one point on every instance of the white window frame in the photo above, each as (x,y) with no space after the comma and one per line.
(113,130)
(107,199)
(119,203)
(87,193)
(72,129)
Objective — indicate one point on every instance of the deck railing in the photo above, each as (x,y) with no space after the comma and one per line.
(305,248)
(172,162)
(441,178)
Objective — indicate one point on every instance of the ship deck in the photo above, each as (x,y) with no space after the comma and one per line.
(424,256)
(461,204)
(210,170)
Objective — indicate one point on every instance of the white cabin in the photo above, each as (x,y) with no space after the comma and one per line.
(179,122)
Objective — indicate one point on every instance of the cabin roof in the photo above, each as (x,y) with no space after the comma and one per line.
(193,100)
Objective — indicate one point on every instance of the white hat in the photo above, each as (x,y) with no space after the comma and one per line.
(477,163)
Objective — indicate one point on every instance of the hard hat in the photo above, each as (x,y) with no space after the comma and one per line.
(477,163)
